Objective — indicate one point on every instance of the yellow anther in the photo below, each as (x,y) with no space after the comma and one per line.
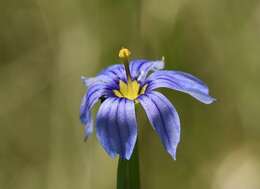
(124,53)
(118,94)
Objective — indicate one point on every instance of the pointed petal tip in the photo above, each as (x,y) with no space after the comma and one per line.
(112,154)
(86,138)
(160,64)
(87,135)
(85,80)
(82,78)
(172,153)
(211,100)
(88,128)
(128,155)
(125,157)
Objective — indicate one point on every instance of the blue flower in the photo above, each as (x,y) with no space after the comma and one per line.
(119,87)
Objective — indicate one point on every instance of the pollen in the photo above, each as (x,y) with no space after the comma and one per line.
(130,90)
(124,53)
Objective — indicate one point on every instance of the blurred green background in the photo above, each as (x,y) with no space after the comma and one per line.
(46,45)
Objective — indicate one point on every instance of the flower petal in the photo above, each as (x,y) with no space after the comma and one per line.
(116,72)
(92,96)
(180,81)
(104,80)
(84,117)
(140,68)
(164,118)
(116,127)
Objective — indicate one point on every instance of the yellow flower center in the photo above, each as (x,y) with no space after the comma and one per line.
(130,90)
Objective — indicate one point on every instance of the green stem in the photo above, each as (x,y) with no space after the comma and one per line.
(128,172)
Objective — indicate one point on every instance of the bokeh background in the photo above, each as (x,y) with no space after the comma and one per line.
(46,45)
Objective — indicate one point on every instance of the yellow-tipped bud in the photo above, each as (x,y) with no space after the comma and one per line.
(124,53)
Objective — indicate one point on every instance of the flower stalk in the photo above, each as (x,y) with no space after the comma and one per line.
(128,176)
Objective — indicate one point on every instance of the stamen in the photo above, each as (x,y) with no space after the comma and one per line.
(124,55)
(131,89)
